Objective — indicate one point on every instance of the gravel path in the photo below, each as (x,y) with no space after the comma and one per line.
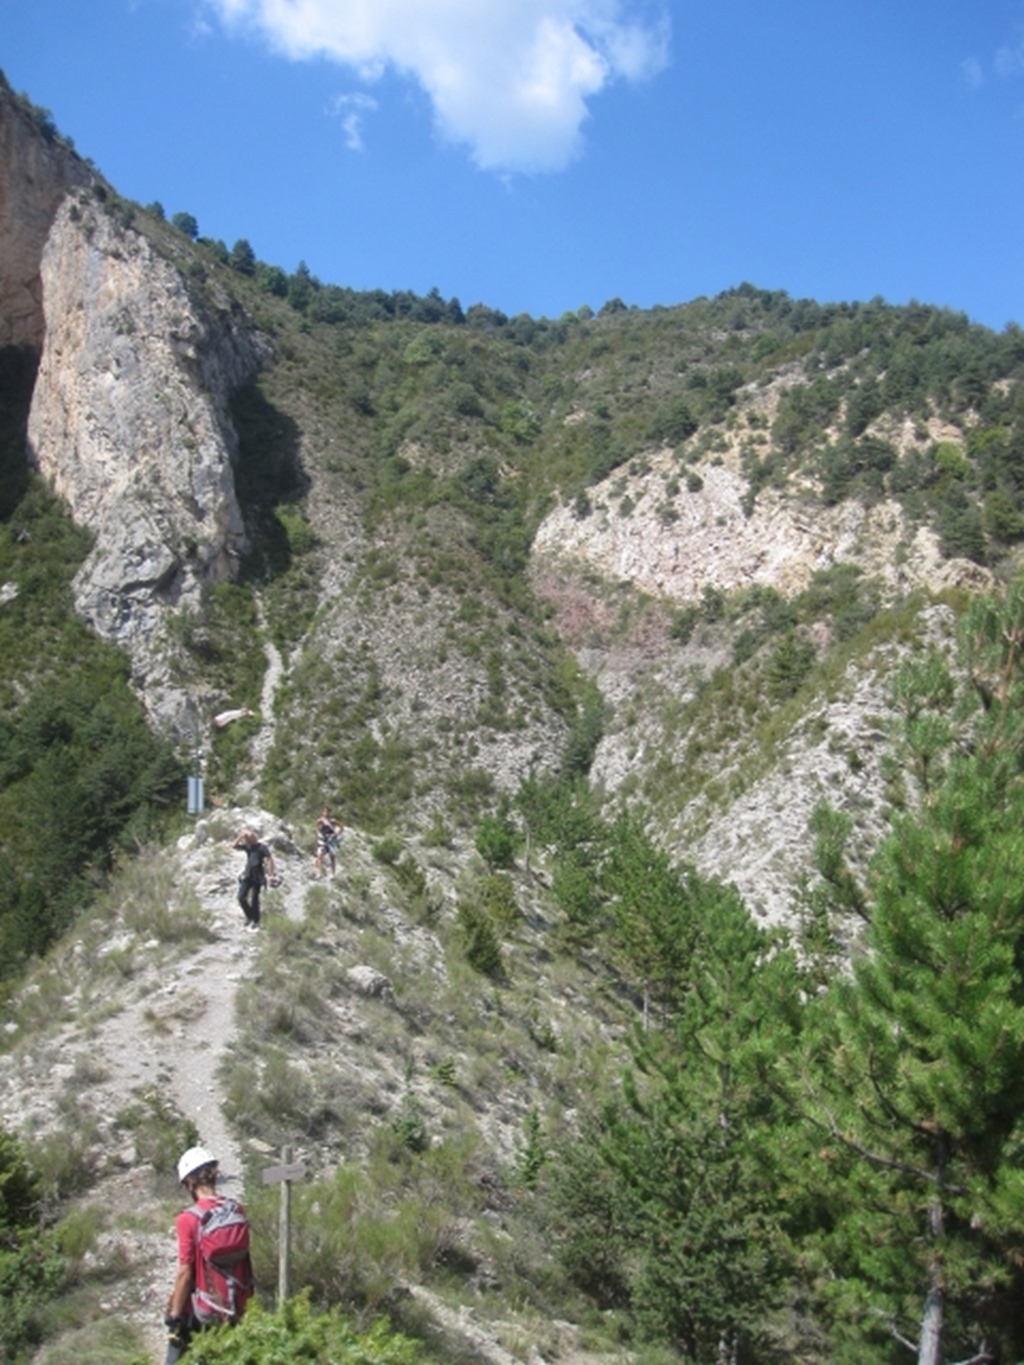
(164,1030)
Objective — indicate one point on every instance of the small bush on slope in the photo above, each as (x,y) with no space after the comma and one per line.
(297,1333)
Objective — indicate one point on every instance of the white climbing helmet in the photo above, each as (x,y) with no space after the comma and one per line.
(193,1160)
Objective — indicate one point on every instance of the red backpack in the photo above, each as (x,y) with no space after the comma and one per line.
(223,1269)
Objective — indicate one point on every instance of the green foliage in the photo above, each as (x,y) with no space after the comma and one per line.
(80,772)
(409,1125)
(296,1332)
(519,421)
(243,258)
(680,1187)
(674,423)
(789,665)
(683,623)
(804,412)
(19,1189)
(654,908)
(374,1225)
(187,224)
(32,1273)
(912,1065)
(961,529)
(1002,522)
(586,733)
(533,1154)
(840,596)
(388,850)
(159,1132)
(496,841)
(563,813)
(497,897)
(32,1270)
(480,940)
(855,469)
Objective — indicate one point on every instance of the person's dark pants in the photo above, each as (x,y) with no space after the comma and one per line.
(249,897)
(178,1344)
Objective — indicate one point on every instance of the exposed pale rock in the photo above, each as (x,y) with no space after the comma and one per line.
(710,542)
(130,425)
(756,836)
(368,981)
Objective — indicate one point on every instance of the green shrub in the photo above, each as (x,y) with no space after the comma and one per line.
(532,1155)
(32,1269)
(411,877)
(789,665)
(496,841)
(388,850)
(409,1126)
(482,949)
(297,1333)
(498,900)
(32,1272)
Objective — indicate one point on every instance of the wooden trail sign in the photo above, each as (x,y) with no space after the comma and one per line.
(273,1175)
(283,1175)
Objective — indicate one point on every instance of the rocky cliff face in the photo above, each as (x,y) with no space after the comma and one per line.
(36,173)
(129,420)
(130,425)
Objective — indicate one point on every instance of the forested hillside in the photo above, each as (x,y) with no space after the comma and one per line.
(665,668)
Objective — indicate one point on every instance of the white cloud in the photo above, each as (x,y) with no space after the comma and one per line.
(1010,58)
(508,78)
(352,110)
(972,73)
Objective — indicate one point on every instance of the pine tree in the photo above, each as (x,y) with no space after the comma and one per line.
(705,1255)
(655,912)
(916,1074)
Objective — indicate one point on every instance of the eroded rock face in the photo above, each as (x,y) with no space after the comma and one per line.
(36,173)
(711,541)
(130,426)
(129,420)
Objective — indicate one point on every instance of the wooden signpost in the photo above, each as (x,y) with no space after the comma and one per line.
(283,1175)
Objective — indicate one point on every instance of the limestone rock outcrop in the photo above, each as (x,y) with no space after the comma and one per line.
(130,425)
(706,538)
(36,172)
(130,420)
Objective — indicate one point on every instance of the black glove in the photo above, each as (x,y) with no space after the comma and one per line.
(174,1327)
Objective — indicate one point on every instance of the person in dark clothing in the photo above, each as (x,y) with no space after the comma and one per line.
(259,864)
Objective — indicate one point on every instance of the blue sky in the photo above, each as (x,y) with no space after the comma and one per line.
(537,155)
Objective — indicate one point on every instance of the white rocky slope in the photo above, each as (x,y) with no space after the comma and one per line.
(672,531)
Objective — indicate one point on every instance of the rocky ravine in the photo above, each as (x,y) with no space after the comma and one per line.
(650,532)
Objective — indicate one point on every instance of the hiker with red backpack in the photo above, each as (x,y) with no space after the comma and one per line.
(214,1279)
